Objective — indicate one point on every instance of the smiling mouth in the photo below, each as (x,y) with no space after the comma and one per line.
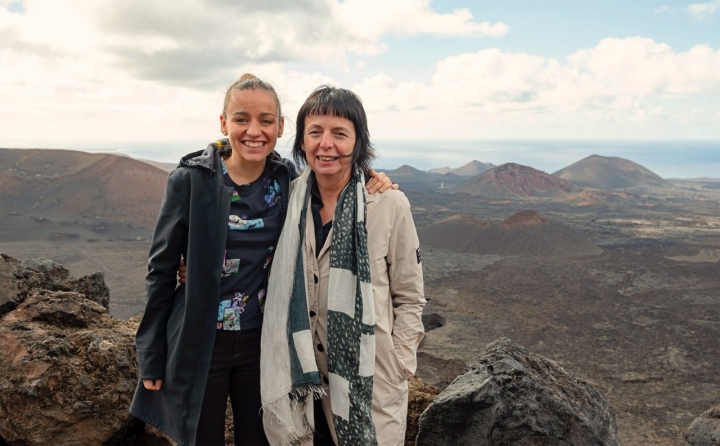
(327,158)
(254,145)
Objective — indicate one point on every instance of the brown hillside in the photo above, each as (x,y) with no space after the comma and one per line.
(525,218)
(515,181)
(609,173)
(526,233)
(64,182)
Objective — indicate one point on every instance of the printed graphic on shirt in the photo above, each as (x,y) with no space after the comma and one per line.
(254,223)
(231,267)
(241,223)
(273,192)
(230,311)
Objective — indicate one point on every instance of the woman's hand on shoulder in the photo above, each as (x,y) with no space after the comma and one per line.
(152,384)
(182,269)
(379,182)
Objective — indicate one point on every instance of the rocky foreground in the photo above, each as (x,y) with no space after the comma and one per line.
(68,371)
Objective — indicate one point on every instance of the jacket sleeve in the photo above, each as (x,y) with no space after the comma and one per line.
(169,241)
(406,288)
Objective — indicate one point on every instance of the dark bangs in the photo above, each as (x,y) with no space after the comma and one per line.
(330,101)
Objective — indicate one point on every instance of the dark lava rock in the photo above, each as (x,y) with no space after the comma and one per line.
(705,429)
(19,280)
(510,396)
(93,287)
(10,295)
(420,396)
(432,321)
(68,369)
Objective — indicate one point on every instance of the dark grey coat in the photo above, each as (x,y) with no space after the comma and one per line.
(176,334)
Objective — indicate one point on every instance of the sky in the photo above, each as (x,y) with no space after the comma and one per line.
(152,73)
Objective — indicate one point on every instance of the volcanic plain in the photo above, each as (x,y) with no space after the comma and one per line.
(618,278)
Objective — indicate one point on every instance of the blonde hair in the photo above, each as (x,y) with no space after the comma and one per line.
(250,82)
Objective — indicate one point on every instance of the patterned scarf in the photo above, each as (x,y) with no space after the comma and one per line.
(289,373)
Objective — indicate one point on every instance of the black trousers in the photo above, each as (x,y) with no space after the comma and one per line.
(234,371)
(322,435)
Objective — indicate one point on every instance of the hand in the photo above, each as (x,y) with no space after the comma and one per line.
(152,384)
(379,182)
(181,271)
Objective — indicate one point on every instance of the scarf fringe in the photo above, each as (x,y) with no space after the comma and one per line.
(296,400)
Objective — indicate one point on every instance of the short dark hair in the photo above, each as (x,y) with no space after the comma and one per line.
(329,100)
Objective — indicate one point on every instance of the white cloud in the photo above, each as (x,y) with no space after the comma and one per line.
(704,11)
(137,70)
(200,43)
(625,85)
(369,19)
(82,69)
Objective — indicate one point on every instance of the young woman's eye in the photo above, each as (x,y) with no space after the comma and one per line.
(267,121)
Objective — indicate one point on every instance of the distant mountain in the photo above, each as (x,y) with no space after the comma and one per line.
(468,170)
(409,177)
(526,233)
(409,173)
(514,181)
(65,182)
(610,173)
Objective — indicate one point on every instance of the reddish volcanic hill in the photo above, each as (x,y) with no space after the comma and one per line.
(515,181)
(65,182)
(609,173)
(526,233)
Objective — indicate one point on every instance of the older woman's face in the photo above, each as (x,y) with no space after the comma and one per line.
(328,143)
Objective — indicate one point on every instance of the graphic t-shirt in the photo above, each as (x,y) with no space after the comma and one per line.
(254,227)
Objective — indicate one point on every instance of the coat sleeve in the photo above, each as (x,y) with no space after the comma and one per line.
(406,288)
(169,241)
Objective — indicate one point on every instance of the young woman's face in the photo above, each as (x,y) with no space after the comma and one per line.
(252,124)
(328,142)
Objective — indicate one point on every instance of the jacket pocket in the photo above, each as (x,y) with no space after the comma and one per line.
(389,367)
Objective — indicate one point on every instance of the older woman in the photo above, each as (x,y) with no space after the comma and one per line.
(344,318)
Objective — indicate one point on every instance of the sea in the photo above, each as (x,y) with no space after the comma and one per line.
(667,158)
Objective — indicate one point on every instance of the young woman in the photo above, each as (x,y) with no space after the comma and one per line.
(223,211)
(344,322)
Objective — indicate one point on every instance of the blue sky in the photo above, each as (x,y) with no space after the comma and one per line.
(82,73)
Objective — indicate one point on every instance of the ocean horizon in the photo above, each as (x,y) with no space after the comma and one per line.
(667,158)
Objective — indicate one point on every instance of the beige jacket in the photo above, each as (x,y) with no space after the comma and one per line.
(397,283)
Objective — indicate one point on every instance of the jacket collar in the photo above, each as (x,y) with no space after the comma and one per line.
(206,158)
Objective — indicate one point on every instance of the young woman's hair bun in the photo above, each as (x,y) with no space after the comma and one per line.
(247,76)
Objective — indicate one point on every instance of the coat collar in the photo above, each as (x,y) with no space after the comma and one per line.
(206,158)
